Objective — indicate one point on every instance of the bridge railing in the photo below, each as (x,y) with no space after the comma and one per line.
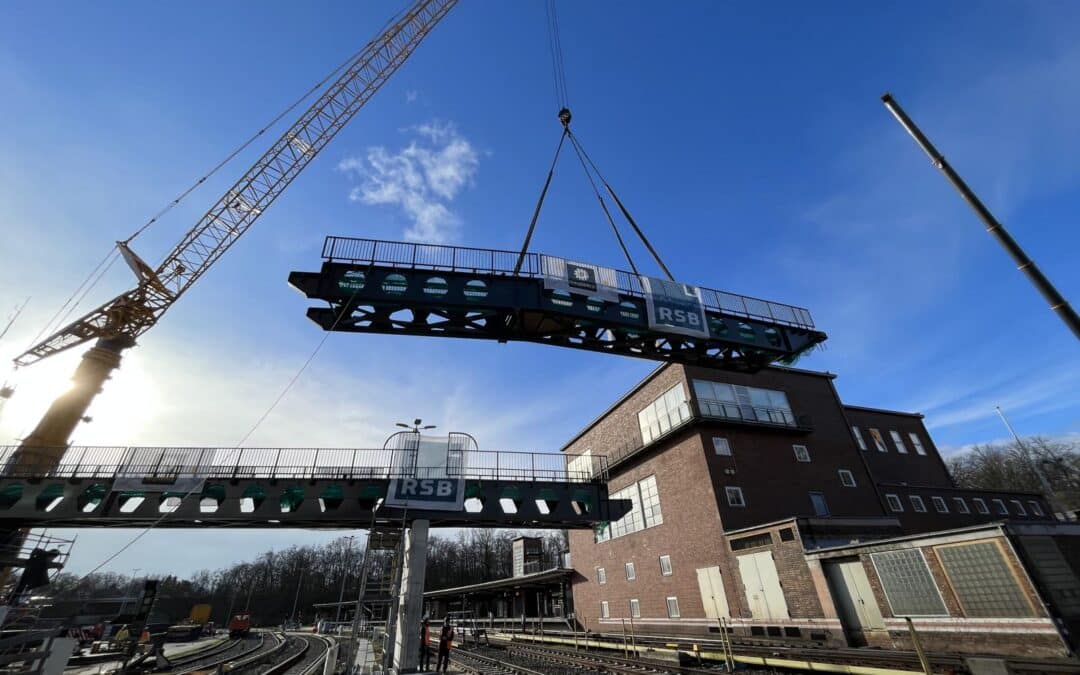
(437,257)
(167,463)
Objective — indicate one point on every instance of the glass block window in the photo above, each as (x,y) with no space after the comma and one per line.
(601,575)
(858,437)
(939,505)
(644,510)
(895,505)
(1018,506)
(917,444)
(982,580)
(635,608)
(961,505)
(917,503)
(673,608)
(999,506)
(630,573)
(604,611)
(721,446)
(734,496)
(665,565)
(821,507)
(980,505)
(650,502)
(908,584)
(898,442)
(801,453)
(879,442)
(666,412)
(1035,508)
(847,479)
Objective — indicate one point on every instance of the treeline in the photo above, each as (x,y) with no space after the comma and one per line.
(1006,466)
(308,575)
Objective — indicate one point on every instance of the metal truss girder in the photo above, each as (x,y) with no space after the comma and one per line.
(393,300)
(354,502)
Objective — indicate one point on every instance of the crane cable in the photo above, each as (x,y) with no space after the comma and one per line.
(588,166)
(99,271)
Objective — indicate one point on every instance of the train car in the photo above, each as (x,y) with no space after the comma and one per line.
(240,625)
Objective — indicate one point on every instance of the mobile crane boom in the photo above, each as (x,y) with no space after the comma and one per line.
(117,323)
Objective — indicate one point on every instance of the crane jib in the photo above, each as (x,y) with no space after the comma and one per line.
(132,313)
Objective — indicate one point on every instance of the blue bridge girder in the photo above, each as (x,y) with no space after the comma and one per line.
(443,291)
(291,488)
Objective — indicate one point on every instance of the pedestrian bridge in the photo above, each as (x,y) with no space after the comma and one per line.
(448,291)
(316,488)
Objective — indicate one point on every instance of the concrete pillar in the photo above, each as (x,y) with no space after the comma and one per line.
(411,600)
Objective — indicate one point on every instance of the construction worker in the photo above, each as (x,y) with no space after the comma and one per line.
(446,643)
(425,646)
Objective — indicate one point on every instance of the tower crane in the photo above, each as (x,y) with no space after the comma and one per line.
(118,323)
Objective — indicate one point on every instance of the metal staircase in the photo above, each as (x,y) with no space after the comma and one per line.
(380,589)
(27,639)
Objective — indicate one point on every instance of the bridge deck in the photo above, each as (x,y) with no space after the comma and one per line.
(424,289)
(293,487)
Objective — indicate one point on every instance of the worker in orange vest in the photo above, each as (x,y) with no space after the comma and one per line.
(446,642)
(425,646)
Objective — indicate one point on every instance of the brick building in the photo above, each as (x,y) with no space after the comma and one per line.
(746,489)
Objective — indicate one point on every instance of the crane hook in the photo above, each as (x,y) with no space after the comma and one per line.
(564,117)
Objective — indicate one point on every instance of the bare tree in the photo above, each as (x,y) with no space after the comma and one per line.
(1005,466)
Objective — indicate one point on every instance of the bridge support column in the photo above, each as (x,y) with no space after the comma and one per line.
(411,600)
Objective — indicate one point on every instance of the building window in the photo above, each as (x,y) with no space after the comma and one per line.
(801,453)
(821,508)
(630,573)
(734,496)
(604,611)
(895,505)
(644,510)
(601,575)
(665,565)
(961,505)
(917,503)
(1019,507)
(752,541)
(733,401)
(787,534)
(908,584)
(673,608)
(721,446)
(858,437)
(1035,508)
(635,608)
(939,505)
(879,442)
(917,444)
(1000,507)
(980,505)
(981,578)
(847,479)
(663,414)
(898,442)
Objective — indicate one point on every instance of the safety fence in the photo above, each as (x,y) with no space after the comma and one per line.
(439,257)
(168,463)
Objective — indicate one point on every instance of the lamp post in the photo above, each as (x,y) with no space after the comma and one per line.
(296,599)
(1036,468)
(415,426)
(344,577)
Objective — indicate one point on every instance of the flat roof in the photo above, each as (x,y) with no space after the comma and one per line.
(536,578)
(883,411)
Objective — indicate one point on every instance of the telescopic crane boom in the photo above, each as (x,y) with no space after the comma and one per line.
(119,322)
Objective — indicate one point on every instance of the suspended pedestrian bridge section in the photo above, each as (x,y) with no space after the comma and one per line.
(402,288)
(315,488)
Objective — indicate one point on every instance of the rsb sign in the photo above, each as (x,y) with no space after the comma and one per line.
(428,494)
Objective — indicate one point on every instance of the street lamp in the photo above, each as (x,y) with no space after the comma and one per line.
(344,576)
(415,426)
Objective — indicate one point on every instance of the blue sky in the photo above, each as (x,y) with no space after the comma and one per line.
(748,139)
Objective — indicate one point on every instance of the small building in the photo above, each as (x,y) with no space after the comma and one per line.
(529,601)
(528,553)
(746,490)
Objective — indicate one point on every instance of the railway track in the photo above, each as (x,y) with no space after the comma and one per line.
(532,660)
(237,651)
(303,655)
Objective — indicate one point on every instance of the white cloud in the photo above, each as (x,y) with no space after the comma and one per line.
(422,179)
